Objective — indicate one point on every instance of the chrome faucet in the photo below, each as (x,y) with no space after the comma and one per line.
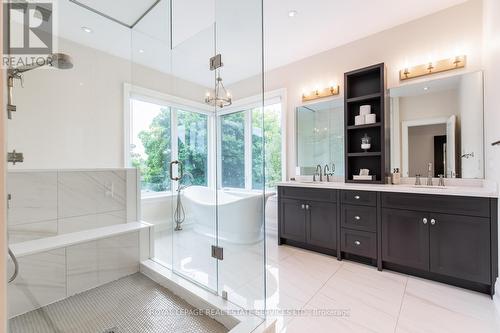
(316,173)
(441,180)
(429,175)
(327,174)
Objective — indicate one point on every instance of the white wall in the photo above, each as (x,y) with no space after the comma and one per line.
(492,88)
(443,34)
(433,105)
(74,118)
(472,125)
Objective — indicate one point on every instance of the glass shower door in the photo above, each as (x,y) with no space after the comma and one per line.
(194,197)
(241,154)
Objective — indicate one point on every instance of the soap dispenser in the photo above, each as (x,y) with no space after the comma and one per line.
(396,177)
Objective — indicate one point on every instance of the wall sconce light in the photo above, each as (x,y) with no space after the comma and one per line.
(433,67)
(321,93)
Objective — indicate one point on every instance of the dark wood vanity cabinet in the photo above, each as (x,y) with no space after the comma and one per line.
(452,248)
(309,223)
(450,239)
(459,246)
(321,224)
(405,238)
(293,220)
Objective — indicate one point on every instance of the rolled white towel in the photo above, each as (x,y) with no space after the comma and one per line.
(365,110)
(359,120)
(371,118)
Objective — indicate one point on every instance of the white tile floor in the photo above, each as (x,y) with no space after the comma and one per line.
(356,297)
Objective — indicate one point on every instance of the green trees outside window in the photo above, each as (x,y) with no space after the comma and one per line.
(151,150)
(153,130)
(192,134)
(272,139)
(233,150)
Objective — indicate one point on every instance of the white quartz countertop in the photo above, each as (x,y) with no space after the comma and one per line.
(488,190)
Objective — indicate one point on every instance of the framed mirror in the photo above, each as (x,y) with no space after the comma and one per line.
(437,127)
(320,137)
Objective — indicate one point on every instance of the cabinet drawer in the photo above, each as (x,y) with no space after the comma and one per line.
(362,218)
(365,198)
(471,206)
(305,193)
(360,243)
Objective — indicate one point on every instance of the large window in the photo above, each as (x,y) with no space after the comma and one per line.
(192,133)
(272,139)
(154,128)
(242,152)
(247,152)
(151,145)
(233,150)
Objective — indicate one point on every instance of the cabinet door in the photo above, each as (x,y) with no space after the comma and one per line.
(405,238)
(293,220)
(460,247)
(322,224)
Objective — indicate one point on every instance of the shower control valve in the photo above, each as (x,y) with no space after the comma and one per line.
(15,157)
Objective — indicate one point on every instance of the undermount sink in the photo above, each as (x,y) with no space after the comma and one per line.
(430,187)
(313,182)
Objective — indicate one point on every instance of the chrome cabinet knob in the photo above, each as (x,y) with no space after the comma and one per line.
(433,221)
(307,207)
(357,218)
(357,243)
(357,197)
(303,206)
(424,220)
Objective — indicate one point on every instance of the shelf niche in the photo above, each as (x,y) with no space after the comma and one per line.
(366,86)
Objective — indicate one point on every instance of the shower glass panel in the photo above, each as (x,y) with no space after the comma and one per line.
(209,224)
(194,199)
(242,197)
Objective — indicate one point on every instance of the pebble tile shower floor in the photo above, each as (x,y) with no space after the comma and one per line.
(132,304)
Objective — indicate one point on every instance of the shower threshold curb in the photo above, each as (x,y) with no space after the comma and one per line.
(201,298)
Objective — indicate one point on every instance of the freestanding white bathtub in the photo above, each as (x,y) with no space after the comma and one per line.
(240,213)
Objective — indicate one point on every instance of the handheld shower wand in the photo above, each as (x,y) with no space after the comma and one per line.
(180,214)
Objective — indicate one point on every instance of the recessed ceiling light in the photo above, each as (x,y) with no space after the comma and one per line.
(292,13)
(426,88)
(141,51)
(87,30)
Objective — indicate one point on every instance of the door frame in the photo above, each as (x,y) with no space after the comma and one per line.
(405,127)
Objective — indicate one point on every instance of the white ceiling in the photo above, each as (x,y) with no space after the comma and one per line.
(127,12)
(318,26)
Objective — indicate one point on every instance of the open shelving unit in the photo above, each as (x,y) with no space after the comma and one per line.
(366,86)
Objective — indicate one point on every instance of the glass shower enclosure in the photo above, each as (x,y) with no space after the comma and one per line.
(146,146)
(213,199)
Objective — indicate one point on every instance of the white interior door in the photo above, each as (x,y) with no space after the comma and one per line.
(451,124)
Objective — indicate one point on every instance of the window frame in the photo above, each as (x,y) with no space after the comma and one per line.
(214,121)
(174,104)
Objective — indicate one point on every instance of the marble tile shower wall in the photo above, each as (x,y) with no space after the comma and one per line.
(51,276)
(48,203)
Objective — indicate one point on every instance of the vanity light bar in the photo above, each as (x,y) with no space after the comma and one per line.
(316,94)
(433,67)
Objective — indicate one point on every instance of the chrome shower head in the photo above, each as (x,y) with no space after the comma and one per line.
(60,60)
(56,60)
